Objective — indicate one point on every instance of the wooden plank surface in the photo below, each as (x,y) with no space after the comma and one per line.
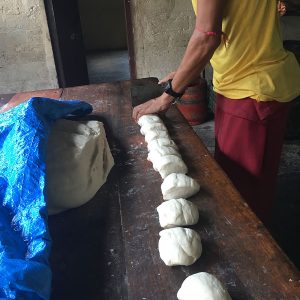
(237,247)
(87,241)
(108,248)
(4,98)
(9,101)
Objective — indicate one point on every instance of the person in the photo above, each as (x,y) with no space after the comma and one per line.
(255,80)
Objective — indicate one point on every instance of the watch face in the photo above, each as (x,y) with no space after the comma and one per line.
(167,86)
(169,90)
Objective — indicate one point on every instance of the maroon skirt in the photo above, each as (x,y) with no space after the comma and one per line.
(249,137)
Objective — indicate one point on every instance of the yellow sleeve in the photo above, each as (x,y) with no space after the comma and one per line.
(194,2)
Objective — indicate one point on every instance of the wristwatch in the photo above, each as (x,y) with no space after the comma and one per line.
(169,90)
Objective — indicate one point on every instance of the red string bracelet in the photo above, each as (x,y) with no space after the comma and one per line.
(210,33)
(215,33)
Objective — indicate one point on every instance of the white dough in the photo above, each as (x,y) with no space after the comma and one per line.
(179,186)
(154,144)
(179,246)
(156,153)
(146,119)
(177,212)
(151,126)
(156,134)
(202,286)
(78,163)
(168,164)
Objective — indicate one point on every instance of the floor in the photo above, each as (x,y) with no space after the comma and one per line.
(108,66)
(285,226)
(114,66)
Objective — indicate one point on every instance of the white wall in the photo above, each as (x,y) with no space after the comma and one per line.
(26,58)
(161,29)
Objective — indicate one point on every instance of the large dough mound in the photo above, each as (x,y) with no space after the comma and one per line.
(202,286)
(177,186)
(77,165)
(179,246)
(177,212)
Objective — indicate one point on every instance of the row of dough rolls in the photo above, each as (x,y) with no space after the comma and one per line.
(178,245)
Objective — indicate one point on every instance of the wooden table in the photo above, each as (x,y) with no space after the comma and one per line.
(108,248)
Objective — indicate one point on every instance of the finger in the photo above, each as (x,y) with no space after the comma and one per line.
(134,114)
(139,114)
(166,78)
(163,80)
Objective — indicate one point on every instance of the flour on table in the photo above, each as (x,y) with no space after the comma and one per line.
(78,163)
(168,164)
(177,186)
(202,286)
(179,246)
(177,212)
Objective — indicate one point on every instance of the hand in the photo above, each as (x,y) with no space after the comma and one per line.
(166,78)
(281,7)
(156,105)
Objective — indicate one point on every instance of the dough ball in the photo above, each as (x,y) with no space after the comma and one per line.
(179,246)
(162,151)
(177,212)
(156,134)
(146,119)
(179,186)
(202,286)
(154,144)
(152,126)
(77,165)
(168,164)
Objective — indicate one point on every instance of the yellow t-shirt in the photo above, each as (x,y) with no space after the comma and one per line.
(254,63)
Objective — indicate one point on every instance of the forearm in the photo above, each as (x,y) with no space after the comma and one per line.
(198,53)
(201,45)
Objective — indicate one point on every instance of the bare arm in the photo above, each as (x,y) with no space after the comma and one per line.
(201,46)
(198,52)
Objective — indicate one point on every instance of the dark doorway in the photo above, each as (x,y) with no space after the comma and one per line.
(68,49)
(104,34)
(91,40)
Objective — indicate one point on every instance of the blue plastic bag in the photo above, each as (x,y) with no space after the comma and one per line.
(24,235)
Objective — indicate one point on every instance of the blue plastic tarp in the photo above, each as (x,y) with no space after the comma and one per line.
(24,236)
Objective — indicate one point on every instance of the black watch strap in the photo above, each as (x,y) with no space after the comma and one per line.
(169,90)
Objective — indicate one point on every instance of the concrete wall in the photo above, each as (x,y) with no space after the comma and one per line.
(290,27)
(103,24)
(26,58)
(162,29)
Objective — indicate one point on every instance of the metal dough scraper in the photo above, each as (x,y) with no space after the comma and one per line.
(145,89)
